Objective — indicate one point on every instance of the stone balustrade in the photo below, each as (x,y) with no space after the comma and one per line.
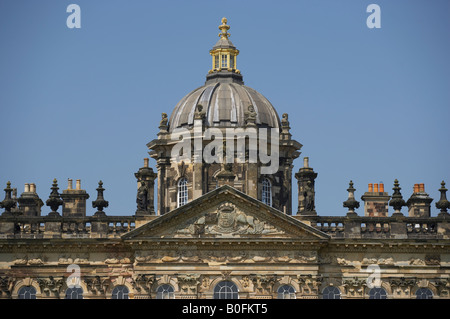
(401,227)
(67,227)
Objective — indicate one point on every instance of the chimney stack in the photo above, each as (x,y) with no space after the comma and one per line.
(419,204)
(74,200)
(29,202)
(376,201)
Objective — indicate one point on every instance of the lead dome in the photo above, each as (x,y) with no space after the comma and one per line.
(224,97)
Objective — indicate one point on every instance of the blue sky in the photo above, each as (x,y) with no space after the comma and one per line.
(368,105)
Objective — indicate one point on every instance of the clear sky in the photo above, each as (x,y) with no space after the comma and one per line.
(368,105)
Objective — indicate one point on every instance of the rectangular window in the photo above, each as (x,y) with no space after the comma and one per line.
(224,61)
(232,61)
(216,62)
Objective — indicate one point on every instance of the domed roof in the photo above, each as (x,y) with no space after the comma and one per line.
(225,104)
(224,97)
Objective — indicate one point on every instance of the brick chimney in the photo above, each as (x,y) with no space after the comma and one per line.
(376,201)
(419,203)
(74,200)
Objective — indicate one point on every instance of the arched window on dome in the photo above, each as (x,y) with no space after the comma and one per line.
(182,192)
(266,192)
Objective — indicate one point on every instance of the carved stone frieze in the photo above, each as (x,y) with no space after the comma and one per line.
(225,256)
(188,283)
(263,284)
(401,287)
(6,286)
(97,285)
(309,285)
(354,286)
(144,282)
(50,286)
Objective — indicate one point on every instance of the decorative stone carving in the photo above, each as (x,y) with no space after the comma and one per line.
(401,287)
(50,286)
(163,123)
(227,221)
(35,261)
(432,260)
(6,286)
(443,287)
(250,116)
(354,286)
(263,284)
(145,282)
(416,262)
(97,285)
(378,261)
(309,285)
(188,283)
(199,113)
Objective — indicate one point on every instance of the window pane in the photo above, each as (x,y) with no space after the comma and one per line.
(377,293)
(27,292)
(224,61)
(182,196)
(331,293)
(286,292)
(74,293)
(226,290)
(120,292)
(424,293)
(165,292)
(216,62)
(267,192)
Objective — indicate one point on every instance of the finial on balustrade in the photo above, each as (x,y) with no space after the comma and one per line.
(8,203)
(100,202)
(351,203)
(54,200)
(443,204)
(397,201)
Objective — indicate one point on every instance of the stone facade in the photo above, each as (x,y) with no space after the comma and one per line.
(228,229)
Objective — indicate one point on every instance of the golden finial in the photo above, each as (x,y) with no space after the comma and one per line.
(224,28)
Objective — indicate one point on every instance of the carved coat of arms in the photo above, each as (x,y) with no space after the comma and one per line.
(227,221)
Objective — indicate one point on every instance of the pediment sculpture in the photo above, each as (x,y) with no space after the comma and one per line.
(227,221)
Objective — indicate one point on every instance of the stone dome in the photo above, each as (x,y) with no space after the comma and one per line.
(225,102)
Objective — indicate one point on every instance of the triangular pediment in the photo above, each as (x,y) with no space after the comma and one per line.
(225,213)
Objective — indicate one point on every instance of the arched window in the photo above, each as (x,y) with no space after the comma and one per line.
(74,293)
(27,292)
(226,290)
(331,293)
(377,293)
(267,192)
(424,293)
(182,194)
(286,292)
(165,292)
(120,292)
